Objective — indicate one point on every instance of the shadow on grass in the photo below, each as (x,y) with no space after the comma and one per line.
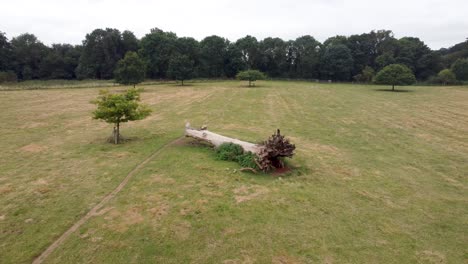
(252,87)
(394,91)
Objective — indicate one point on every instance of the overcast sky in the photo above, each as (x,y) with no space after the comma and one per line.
(439,23)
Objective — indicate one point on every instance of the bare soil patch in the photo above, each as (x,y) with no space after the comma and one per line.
(33,148)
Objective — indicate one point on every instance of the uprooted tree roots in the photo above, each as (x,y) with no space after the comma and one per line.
(274,150)
(269,154)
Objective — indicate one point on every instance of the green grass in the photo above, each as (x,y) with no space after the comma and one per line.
(380,177)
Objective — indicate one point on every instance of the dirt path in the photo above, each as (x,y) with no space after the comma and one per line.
(99,206)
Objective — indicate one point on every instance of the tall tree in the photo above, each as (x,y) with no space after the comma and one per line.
(60,62)
(181,68)
(189,47)
(102,49)
(130,70)
(6,53)
(129,41)
(273,58)
(233,61)
(307,61)
(212,56)
(460,69)
(248,47)
(28,52)
(450,55)
(336,40)
(157,47)
(336,63)
(413,53)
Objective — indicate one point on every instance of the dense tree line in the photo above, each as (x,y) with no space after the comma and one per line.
(339,58)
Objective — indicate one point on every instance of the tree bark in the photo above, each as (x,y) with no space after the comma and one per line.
(116,133)
(393,87)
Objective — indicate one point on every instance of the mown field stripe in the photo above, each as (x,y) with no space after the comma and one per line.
(99,206)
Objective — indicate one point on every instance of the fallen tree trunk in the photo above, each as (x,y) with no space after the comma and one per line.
(269,155)
(216,139)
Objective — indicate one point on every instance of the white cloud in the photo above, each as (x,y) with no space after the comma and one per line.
(439,23)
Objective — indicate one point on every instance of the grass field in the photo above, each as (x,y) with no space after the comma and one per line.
(380,177)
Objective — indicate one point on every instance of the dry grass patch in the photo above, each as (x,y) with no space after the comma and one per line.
(33,148)
(247,193)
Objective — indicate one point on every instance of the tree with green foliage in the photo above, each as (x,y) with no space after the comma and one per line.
(233,61)
(446,76)
(190,48)
(365,76)
(60,62)
(307,59)
(415,54)
(460,69)
(213,56)
(129,41)
(28,53)
(119,108)
(450,55)
(395,74)
(102,49)
(384,60)
(251,76)
(181,68)
(248,47)
(272,56)
(6,53)
(130,70)
(157,48)
(336,63)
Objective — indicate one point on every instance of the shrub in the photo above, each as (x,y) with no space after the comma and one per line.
(247,160)
(8,76)
(234,152)
(229,151)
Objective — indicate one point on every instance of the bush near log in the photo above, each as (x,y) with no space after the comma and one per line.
(234,152)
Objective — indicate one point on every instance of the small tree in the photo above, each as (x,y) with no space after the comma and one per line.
(130,70)
(251,76)
(119,108)
(446,77)
(181,68)
(395,74)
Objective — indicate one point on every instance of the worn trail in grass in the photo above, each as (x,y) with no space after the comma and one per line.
(381,177)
